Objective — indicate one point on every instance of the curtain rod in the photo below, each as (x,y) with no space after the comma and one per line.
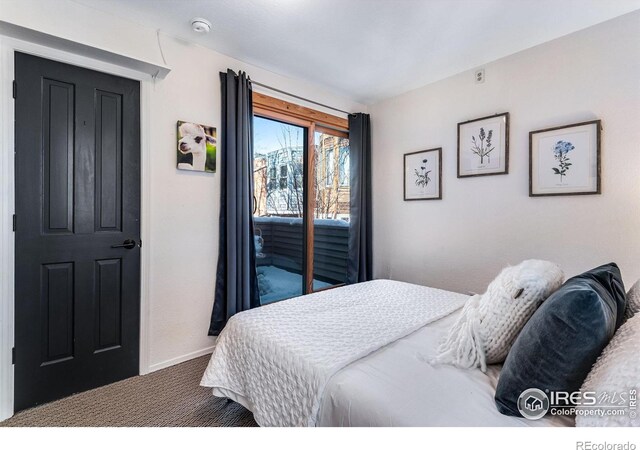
(301,98)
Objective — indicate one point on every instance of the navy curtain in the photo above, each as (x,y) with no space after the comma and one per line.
(359,264)
(236,278)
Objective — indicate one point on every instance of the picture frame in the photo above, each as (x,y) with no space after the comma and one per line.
(479,152)
(196,147)
(565,160)
(423,175)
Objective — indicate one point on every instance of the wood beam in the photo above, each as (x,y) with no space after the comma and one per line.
(267,103)
(310,206)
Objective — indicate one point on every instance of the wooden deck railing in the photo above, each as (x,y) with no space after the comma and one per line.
(283,246)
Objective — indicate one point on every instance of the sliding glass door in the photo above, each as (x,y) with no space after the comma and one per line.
(301,206)
(331,213)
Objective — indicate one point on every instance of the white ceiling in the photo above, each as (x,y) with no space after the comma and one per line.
(369,50)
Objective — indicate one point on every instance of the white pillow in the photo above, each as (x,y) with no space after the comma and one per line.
(617,371)
(633,300)
(490,323)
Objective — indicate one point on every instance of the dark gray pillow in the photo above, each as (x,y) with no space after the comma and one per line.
(557,347)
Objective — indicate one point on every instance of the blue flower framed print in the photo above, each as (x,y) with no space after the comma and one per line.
(565,160)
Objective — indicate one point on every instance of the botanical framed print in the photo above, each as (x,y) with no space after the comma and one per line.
(483,146)
(565,160)
(196,147)
(423,175)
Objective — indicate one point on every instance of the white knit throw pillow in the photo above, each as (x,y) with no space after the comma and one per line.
(613,376)
(490,323)
(633,300)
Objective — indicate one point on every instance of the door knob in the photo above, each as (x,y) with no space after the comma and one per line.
(128,244)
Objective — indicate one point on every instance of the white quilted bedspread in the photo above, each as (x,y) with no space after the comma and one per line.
(279,357)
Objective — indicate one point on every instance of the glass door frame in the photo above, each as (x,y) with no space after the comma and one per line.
(311,121)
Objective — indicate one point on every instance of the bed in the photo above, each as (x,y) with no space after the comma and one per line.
(354,356)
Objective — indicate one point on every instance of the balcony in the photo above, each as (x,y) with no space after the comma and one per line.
(280,260)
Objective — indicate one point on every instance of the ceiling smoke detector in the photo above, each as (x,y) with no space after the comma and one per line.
(200,25)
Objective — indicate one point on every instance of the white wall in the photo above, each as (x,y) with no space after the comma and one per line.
(184,206)
(482,224)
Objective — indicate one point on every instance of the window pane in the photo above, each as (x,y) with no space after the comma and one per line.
(343,166)
(328,167)
(331,213)
(278,208)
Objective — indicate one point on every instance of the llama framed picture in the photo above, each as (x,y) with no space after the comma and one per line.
(196,147)
(565,160)
(483,146)
(423,175)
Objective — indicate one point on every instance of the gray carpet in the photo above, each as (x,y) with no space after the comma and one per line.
(170,397)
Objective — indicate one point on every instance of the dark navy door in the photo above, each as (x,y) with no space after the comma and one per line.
(77,302)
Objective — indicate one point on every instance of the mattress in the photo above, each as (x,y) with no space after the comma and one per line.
(397,386)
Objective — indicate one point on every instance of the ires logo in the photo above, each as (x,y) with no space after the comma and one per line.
(534,403)
(560,398)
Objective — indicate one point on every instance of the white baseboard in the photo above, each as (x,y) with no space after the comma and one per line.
(180,359)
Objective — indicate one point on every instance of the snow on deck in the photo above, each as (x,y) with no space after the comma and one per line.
(277,284)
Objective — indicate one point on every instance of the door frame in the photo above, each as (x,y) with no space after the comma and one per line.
(8,47)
